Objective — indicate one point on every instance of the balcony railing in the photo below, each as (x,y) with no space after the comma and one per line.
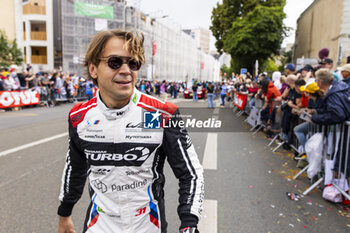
(38,35)
(39,59)
(31,9)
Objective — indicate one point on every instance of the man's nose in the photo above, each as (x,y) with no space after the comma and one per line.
(124,69)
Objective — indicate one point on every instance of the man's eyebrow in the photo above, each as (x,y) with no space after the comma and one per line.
(116,55)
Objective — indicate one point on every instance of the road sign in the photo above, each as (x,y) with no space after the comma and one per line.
(243,70)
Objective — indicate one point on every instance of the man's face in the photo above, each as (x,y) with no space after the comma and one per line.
(304,73)
(114,85)
(328,66)
(288,71)
(345,74)
(320,84)
(297,89)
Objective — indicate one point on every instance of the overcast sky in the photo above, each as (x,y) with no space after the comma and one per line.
(197,13)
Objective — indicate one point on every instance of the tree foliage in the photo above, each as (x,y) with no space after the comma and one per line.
(9,52)
(225,69)
(224,14)
(286,57)
(271,66)
(248,30)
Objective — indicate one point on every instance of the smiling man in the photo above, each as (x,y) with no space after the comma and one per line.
(110,144)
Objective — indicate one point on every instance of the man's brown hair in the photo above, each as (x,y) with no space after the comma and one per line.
(133,44)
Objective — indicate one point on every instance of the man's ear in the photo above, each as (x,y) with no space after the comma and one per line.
(93,70)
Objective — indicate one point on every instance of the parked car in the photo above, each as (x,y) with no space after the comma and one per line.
(200,92)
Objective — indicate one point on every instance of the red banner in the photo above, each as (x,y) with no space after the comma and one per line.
(240,101)
(10,99)
(154,47)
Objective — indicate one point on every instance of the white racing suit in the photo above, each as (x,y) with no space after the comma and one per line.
(124,164)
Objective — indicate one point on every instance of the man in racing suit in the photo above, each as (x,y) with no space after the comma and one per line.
(120,140)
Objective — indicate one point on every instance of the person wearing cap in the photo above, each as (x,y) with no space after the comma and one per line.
(263,76)
(345,72)
(311,90)
(328,64)
(306,72)
(290,69)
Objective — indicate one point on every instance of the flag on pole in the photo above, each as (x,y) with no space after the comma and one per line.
(154,48)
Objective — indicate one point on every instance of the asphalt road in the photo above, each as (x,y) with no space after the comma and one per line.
(247,189)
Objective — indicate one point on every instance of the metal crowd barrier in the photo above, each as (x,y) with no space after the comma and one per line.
(279,135)
(258,104)
(256,109)
(336,150)
(313,129)
(343,160)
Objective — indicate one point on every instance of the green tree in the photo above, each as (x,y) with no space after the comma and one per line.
(4,50)
(16,53)
(271,66)
(9,51)
(286,58)
(225,69)
(257,36)
(224,14)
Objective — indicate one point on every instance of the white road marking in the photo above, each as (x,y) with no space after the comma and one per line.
(211,152)
(17,114)
(6,152)
(209,220)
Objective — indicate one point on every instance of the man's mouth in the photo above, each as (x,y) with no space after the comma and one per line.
(122,81)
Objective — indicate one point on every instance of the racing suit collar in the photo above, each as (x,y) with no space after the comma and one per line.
(110,113)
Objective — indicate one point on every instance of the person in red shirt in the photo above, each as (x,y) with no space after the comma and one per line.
(271,94)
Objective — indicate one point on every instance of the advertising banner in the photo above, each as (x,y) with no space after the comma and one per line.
(240,101)
(93,10)
(101,24)
(10,99)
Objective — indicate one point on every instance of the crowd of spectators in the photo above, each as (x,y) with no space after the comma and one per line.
(295,100)
(319,91)
(53,87)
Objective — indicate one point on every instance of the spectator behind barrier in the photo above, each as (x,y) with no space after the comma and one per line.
(328,64)
(284,85)
(270,93)
(1,85)
(290,69)
(276,78)
(336,103)
(289,119)
(345,72)
(315,95)
(303,99)
(253,89)
(306,72)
